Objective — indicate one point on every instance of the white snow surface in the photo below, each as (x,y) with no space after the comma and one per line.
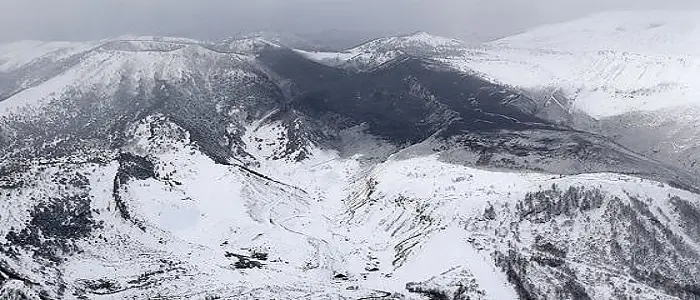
(608,63)
(382,226)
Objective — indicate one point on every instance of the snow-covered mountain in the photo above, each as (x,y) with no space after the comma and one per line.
(632,75)
(145,167)
(607,64)
(379,51)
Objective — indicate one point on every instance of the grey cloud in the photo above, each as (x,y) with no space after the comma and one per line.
(213,19)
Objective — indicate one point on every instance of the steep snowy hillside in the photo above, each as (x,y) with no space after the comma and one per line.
(606,64)
(168,168)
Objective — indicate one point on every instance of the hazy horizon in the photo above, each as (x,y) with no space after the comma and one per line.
(468,20)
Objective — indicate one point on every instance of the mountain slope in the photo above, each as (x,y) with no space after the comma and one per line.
(194,229)
(16,55)
(630,76)
(151,167)
(606,64)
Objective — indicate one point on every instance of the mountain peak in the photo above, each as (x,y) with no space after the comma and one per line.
(382,50)
(280,38)
(426,38)
(420,34)
(249,44)
(420,41)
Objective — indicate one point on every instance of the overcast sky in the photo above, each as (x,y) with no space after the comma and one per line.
(214,19)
